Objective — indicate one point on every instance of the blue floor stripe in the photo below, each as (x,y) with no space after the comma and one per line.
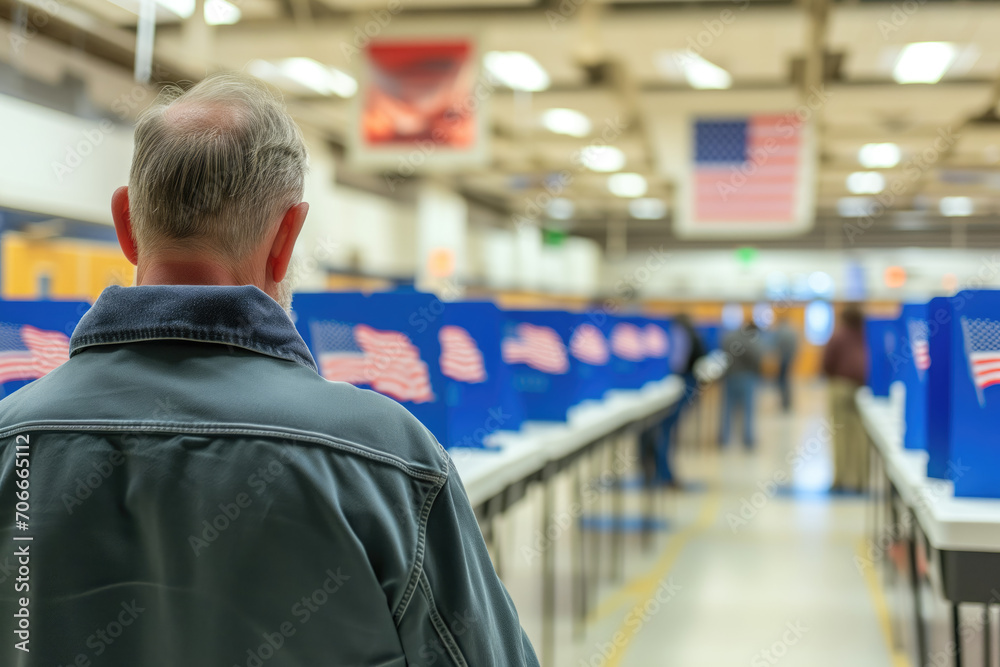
(626,524)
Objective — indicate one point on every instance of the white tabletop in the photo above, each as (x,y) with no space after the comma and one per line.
(950,523)
(520,454)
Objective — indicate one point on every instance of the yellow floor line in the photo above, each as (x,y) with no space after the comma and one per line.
(899,658)
(643,588)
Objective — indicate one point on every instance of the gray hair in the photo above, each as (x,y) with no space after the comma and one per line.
(214,167)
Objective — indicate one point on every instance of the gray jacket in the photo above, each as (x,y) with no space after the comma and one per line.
(191,493)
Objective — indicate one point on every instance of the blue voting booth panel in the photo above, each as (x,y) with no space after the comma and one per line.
(881,337)
(627,352)
(914,359)
(384,342)
(536,347)
(589,347)
(939,325)
(975,394)
(711,335)
(34,339)
(479,392)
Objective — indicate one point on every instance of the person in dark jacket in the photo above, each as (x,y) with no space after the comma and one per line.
(194,493)
(845,366)
(743,349)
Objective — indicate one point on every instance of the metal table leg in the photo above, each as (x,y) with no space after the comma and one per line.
(548,574)
(915,582)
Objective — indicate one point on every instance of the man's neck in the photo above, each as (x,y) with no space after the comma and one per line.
(173,271)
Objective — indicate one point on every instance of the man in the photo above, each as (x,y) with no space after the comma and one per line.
(845,363)
(743,348)
(191,491)
(786,343)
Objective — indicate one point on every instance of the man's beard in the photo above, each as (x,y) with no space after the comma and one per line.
(286,286)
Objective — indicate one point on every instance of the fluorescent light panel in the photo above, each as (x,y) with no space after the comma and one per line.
(305,73)
(924,62)
(647,208)
(627,185)
(956,206)
(873,156)
(560,209)
(602,158)
(517,70)
(566,121)
(697,71)
(865,183)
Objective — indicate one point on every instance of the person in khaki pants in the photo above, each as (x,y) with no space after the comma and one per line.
(845,363)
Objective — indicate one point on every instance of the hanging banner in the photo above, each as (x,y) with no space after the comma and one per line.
(421,107)
(747,176)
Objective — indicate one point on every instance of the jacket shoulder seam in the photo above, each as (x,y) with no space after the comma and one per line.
(417,570)
(313,437)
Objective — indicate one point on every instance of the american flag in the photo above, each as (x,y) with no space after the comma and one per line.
(746,168)
(460,356)
(384,360)
(537,347)
(920,345)
(982,346)
(627,342)
(28,353)
(656,345)
(589,345)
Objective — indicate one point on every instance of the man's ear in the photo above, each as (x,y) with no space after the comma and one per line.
(123,223)
(284,240)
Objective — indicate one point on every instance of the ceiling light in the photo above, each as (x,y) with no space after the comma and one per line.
(560,209)
(865,183)
(647,209)
(956,206)
(872,156)
(517,70)
(220,12)
(854,207)
(602,158)
(307,74)
(700,73)
(627,185)
(566,121)
(183,8)
(923,62)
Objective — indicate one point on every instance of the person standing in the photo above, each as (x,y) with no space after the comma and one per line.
(786,343)
(844,364)
(743,349)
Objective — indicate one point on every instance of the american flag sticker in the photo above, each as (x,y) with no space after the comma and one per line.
(387,361)
(537,347)
(589,345)
(920,345)
(982,349)
(461,359)
(627,342)
(656,343)
(28,353)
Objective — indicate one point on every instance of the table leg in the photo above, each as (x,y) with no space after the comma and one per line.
(956,634)
(987,636)
(548,575)
(915,582)
(579,553)
(618,518)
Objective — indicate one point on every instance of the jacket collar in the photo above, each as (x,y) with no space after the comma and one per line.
(240,316)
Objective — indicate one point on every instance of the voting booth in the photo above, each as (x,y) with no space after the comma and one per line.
(881,338)
(590,349)
(940,320)
(913,359)
(34,339)
(628,352)
(657,342)
(535,345)
(974,443)
(384,342)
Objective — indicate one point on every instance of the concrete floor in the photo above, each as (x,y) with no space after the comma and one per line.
(744,573)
